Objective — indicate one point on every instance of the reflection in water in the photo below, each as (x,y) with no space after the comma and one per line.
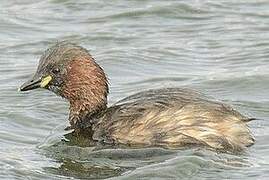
(80,158)
(73,168)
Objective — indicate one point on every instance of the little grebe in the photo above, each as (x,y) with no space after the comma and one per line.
(169,117)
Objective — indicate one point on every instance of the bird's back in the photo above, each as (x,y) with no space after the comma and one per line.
(174,118)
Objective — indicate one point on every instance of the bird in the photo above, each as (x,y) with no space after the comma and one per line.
(171,118)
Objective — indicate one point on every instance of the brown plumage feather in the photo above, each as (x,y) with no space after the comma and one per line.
(174,118)
(170,117)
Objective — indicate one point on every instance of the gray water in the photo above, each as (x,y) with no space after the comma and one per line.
(220,48)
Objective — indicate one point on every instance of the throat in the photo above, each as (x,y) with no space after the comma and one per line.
(84,116)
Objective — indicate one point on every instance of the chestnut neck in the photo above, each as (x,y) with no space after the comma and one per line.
(86,88)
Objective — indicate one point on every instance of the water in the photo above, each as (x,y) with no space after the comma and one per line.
(218,47)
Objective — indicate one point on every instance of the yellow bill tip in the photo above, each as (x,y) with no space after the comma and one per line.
(45,81)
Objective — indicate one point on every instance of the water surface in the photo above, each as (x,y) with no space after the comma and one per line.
(218,47)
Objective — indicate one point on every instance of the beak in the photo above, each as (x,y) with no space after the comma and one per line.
(36,83)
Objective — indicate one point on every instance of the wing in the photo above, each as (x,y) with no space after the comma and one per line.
(173,118)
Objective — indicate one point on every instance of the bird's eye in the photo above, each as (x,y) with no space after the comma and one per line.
(56,70)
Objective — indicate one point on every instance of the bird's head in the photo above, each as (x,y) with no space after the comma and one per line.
(70,71)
